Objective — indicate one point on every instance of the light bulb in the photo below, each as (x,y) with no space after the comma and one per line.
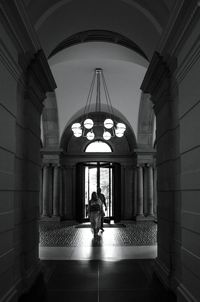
(119,132)
(106,135)
(76,126)
(108,123)
(121,126)
(77,132)
(90,136)
(88,123)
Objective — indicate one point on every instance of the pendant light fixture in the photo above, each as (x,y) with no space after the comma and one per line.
(111,128)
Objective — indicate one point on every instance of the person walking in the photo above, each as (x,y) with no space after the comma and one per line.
(95,209)
(103,200)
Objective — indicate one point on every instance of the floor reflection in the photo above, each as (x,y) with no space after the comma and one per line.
(111,245)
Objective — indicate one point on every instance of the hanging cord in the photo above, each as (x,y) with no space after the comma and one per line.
(108,101)
(89,98)
(88,103)
(98,96)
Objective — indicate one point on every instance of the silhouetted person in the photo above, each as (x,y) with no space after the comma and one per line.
(95,209)
(103,200)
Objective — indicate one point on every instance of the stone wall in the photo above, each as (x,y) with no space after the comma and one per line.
(173,82)
(25,78)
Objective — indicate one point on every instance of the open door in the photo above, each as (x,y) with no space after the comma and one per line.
(92,175)
(117,192)
(80,192)
(99,174)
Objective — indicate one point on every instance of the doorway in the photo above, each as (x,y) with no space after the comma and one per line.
(99,174)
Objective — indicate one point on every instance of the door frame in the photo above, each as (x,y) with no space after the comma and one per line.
(116,188)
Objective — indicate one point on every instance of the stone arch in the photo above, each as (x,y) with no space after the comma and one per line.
(98,35)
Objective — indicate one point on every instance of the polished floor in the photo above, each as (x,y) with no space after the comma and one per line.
(99,281)
(59,241)
(117,266)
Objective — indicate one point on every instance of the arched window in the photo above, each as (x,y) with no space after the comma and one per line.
(98,146)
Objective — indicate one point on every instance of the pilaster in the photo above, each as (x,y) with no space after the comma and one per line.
(158,82)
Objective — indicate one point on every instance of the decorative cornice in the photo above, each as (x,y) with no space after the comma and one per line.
(157,81)
(42,72)
(39,79)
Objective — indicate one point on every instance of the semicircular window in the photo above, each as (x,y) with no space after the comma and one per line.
(98,146)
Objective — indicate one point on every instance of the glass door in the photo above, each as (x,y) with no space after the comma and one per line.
(105,183)
(99,175)
(90,185)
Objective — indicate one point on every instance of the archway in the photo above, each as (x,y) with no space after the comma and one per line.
(80,164)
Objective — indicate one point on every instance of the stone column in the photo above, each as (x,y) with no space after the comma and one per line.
(145,190)
(61,193)
(45,191)
(155,192)
(150,191)
(56,193)
(135,191)
(41,193)
(140,214)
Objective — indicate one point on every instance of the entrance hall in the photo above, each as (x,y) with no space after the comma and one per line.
(118,73)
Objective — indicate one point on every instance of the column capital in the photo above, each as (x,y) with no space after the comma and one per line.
(56,165)
(46,165)
(157,73)
(157,82)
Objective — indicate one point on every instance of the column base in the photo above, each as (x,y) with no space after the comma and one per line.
(55,218)
(140,218)
(150,217)
(50,218)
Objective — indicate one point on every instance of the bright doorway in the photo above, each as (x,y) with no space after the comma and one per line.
(99,174)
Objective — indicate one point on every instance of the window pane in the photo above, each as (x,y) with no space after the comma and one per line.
(98,146)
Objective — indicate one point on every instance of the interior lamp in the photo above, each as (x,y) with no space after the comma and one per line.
(110,127)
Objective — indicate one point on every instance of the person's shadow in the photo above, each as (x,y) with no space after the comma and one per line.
(97,241)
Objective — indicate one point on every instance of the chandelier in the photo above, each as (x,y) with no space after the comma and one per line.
(110,127)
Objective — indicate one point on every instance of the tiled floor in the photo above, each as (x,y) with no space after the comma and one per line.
(62,242)
(117,267)
(125,234)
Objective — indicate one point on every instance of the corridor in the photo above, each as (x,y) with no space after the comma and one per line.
(99,94)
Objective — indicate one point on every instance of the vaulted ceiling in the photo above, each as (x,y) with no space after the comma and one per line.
(140,22)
